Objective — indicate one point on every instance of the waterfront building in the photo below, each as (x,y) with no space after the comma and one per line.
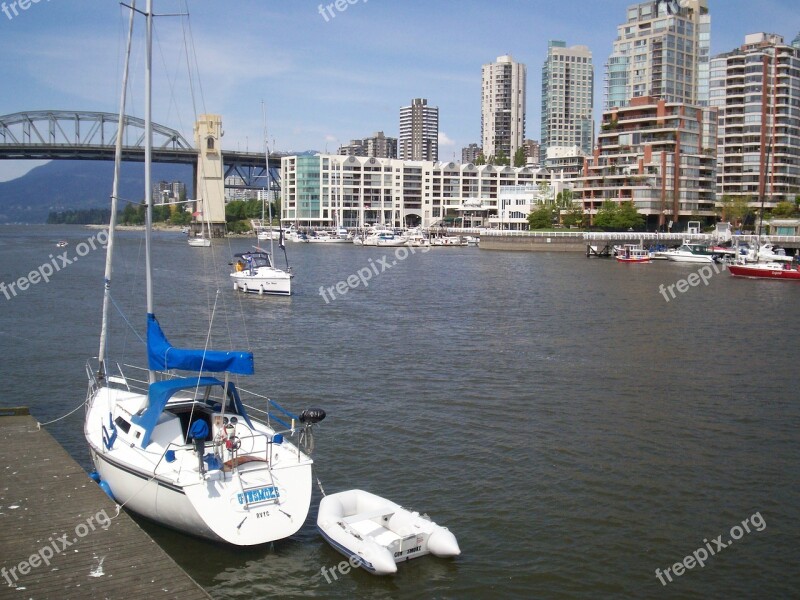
(419,131)
(567,97)
(756,89)
(328,189)
(567,161)
(651,153)
(469,154)
(662,50)
(516,202)
(378,145)
(503,107)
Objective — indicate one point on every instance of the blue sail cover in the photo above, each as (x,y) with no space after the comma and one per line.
(161,356)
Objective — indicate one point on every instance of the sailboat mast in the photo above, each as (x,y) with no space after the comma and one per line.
(114,200)
(148,159)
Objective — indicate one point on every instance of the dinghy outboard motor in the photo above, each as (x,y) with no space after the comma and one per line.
(308,418)
(199,432)
(312,415)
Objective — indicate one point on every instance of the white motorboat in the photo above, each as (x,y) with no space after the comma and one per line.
(690,253)
(327,237)
(254,272)
(767,253)
(376,534)
(183,449)
(382,237)
(267,233)
(448,240)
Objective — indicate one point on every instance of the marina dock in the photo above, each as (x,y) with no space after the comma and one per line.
(60,535)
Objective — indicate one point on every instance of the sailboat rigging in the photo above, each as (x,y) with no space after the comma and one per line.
(180,447)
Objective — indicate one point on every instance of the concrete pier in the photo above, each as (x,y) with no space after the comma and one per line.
(60,535)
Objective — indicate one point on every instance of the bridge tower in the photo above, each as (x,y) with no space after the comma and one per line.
(209,178)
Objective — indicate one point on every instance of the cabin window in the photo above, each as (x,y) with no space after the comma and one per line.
(122,424)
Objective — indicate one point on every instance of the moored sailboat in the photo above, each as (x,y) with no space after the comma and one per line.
(179,445)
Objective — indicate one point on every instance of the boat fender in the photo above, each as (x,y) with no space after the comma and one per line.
(94,476)
(312,415)
(107,489)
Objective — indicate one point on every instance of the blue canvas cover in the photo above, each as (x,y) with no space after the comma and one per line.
(162,356)
(160,392)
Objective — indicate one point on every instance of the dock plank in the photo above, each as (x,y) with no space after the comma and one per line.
(50,509)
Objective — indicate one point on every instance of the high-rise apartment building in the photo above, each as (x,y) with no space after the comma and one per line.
(662,50)
(503,107)
(377,146)
(651,153)
(567,97)
(532,150)
(756,89)
(469,154)
(419,131)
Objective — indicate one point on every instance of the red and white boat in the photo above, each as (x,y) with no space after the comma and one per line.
(770,270)
(631,253)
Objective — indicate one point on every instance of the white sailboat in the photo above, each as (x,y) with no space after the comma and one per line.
(255,271)
(182,449)
(200,241)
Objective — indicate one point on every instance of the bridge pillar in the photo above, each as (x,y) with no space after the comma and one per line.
(210,183)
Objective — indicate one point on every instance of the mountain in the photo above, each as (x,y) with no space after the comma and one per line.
(77,184)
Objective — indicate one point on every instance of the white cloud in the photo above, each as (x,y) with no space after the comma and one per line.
(444,140)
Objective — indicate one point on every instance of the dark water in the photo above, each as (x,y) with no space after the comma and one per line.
(572,428)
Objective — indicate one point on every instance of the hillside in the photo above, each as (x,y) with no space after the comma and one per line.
(76,184)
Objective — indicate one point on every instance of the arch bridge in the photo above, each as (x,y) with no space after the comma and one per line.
(89,135)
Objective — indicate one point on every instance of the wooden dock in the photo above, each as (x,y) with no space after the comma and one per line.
(60,536)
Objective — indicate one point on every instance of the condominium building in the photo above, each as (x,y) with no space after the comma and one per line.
(469,154)
(662,50)
(503,107)
(756,89)
(651,153)
(567,97)
(533,152)
(419,131)
(329,189)
(378,146)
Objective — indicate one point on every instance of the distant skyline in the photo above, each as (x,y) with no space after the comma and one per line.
(326,76)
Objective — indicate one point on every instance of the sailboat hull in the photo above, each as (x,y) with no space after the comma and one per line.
(264,281)
(264,499)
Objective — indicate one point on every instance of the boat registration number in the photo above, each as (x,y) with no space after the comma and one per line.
(258,495)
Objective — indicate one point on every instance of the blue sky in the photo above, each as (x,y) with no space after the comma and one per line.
(323,81)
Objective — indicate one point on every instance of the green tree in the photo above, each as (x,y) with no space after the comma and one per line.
(574,217)
(614,216)
(519,157)
(481,160)
(501,159)
(541,218)
(784,210)
(740,210)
